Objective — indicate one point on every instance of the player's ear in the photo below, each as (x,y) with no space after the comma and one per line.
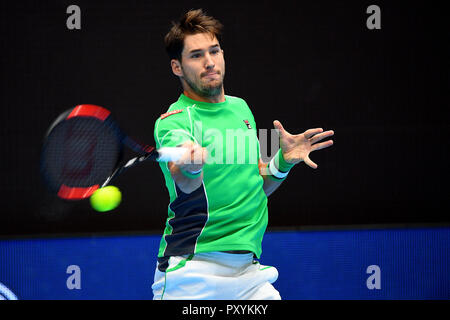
(176,67)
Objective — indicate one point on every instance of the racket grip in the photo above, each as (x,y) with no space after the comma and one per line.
(170,154)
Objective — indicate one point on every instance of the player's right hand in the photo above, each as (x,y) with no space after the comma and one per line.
(193,159)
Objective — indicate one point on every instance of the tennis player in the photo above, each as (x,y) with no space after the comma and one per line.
(218,191)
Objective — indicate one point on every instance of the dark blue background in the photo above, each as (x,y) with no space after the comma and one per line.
(414,264)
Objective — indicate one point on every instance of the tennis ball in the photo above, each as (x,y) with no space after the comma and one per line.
(106,198)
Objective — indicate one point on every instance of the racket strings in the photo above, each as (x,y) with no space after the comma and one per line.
(80,152)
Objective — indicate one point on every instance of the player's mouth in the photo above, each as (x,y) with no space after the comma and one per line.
(211,75)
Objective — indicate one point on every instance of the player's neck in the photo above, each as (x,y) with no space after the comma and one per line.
(194,96)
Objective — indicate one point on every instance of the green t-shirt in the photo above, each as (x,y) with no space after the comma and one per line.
(229,210)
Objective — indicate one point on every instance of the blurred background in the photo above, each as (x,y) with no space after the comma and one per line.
(309,64)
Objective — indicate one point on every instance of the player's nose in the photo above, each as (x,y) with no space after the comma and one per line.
(209,62)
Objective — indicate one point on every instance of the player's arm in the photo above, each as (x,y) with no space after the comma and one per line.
(173,129)
(188,171)
(273,172)
(293,149)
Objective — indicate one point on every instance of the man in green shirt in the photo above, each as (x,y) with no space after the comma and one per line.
(218,190)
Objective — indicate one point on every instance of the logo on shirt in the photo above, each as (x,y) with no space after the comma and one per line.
(165,115)
(247,124)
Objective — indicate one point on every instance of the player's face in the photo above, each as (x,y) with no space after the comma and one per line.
(203,64)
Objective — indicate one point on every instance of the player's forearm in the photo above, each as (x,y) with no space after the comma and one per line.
(185,183)
(270,186)
(274,172)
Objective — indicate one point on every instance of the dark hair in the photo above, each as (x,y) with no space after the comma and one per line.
(192,22)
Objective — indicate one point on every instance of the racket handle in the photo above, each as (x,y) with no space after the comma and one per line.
(170,153)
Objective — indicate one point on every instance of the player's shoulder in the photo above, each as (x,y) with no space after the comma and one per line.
(175,117)
(176,113)
(236,100)
(174,109)
(170,113)
(174,122)
(239,103)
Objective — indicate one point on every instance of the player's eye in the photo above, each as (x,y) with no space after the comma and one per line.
(196,55)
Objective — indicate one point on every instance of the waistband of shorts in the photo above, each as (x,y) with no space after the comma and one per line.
(233,258)
(237,251)
(227,258)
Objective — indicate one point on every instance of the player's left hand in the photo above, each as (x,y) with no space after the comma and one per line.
(296,148)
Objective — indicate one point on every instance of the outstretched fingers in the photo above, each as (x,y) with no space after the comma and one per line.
(310,163)
(312,132)
(281,130)
(322,145)
(321,136)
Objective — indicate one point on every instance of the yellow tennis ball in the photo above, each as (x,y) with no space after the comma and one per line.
(106,198)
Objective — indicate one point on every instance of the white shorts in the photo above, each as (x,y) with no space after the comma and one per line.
(215,276)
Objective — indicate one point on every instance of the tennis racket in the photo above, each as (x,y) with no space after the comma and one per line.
(83,151)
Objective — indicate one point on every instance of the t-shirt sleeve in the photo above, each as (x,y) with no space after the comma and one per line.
(172,131)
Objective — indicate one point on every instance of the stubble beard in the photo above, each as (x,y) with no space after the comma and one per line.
(207,91)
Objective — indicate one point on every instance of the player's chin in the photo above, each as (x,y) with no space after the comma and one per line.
(212,91)
(213,84)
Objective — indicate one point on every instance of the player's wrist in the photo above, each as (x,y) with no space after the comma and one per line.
(282,164)
(192,174)
(278,166)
